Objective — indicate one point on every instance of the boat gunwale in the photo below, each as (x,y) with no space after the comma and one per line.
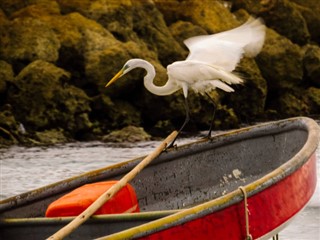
(119,217)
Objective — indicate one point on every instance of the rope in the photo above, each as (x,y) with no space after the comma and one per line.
(246,210)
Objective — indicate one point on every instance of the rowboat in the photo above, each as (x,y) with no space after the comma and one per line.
(249,182)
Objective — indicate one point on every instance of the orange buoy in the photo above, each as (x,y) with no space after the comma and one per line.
(75,202)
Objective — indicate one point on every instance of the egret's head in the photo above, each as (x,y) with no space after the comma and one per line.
(127,67)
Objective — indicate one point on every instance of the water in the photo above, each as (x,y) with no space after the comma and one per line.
(23,169)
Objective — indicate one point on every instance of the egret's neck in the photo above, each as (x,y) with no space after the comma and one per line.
(166,89)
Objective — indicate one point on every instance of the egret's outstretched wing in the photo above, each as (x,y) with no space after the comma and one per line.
(225,49)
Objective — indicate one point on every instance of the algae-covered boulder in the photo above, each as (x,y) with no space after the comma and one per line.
(100,69)
(41,8)
(9,127)
(6,75)
(51,136)
(115,16)
(311,62)
(3,17)
(43,99)
(10,6)
(310,10)
(280,62)
(249,99)
(25,40)
(127,134)
(313,100)
(212,16)
(114,114)
(297,20)
(147,22)
(138,21)
(82,47)
(79,38)
(290,103)
(182,30)
(282,15)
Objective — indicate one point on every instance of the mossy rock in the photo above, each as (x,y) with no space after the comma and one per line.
(150,26)
(6,75)
(212,16)
(225,118)
(21,42)
(280,62)
(42,8)
(102,65)
(114,114)
(310,10)
(249,98)
(182,30)
(10,6)
(290,103)
(311,62)
(3,17)
(282,15)
(8,127)
(50,137)
(42,99)
(312,95)
(127,134)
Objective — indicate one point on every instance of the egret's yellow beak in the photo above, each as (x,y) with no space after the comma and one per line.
(117,76)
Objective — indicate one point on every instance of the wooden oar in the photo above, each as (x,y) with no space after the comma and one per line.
(85,215)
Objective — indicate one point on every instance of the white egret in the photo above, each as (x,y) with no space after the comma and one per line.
(209,65)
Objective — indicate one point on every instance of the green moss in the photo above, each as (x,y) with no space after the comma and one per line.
(127,134)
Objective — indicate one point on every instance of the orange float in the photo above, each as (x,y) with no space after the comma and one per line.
(75,202)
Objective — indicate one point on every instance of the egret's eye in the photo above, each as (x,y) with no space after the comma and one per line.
(125,67)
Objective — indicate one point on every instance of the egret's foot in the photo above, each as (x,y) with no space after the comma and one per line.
(207,137)
(171,145)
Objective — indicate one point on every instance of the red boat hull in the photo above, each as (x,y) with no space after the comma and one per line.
(268,210)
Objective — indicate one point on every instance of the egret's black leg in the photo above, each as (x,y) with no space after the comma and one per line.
(186,105)
(213,115)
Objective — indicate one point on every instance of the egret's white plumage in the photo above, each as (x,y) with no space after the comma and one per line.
(210,63)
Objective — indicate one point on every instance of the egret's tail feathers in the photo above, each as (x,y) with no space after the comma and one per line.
(221,85)
(230,78)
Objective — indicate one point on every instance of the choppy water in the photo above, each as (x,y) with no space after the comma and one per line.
(23,169)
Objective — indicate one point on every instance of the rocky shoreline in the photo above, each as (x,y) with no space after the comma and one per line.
(57,55)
